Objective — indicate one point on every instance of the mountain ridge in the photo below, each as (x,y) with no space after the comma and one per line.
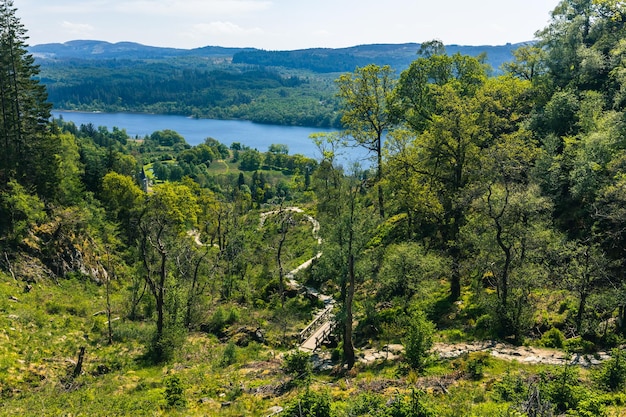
(319,59)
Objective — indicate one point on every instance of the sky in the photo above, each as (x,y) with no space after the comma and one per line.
(283,24)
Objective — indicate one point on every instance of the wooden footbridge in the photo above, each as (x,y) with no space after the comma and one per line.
(318,330)
(323,324)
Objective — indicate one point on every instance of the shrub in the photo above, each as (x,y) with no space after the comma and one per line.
(164,348)
(298,364)
(612,375)
(553,338)
(174,392)
(580,345)
(418,340)
(310,404)
(229,356)
(475,365)
(220,319)
(511,388)
(411,406)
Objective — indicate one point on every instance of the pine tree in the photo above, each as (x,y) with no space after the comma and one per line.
(27,147)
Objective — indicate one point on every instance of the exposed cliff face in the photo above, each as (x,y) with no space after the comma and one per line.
(59,247)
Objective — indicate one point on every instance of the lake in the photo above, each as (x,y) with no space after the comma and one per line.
(195,131)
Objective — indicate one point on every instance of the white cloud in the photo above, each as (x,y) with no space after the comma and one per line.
(78,29)
(192,7)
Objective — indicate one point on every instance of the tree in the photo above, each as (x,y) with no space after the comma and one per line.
(451,112)
(437,100)
(366,116)
(418,340)
(27,146)
(584,269)
(347,226)
(123,199)
(168,212)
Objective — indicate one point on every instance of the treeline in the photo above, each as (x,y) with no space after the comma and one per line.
(398,56)
(250,93)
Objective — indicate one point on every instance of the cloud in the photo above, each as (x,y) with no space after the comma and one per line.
(80,29)
(192,7)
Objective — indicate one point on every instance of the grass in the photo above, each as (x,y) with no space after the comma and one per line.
(42,330)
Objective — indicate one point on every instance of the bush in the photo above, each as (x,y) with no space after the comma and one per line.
(229,356)
(174,392)
(580,345)
(418,340)
(612,376)
(553,338)
(163,349)
(511,388)
(413,406)
(309,404)
(475,365)
(220,319)
(298,365)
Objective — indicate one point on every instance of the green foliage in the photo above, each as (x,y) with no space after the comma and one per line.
(229,355)
(513,387)
(365,404)
(309,404)
(553,338)
(475,364)
(21,211)
(612,375)
(220,319)
(298,365)
(412,405)
(418,340)
(174,392)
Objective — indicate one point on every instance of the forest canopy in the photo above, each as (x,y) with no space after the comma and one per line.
(493,214)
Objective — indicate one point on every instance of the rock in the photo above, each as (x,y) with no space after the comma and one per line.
(28,288)
(244,335)
(102,369)
(226,404)
(393,348)
(14,299)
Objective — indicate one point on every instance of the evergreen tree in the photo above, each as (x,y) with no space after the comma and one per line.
(27,146)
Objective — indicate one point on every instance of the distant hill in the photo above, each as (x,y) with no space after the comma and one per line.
(91,49)
(275,87)
(321,60)
(398,56)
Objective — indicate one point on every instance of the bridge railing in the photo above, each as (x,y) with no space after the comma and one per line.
(319,339)
(315,324)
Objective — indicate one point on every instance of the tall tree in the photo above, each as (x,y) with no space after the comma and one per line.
(27,146)
(168,213)
(365,95)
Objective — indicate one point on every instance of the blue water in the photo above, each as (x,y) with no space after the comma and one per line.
(195,131)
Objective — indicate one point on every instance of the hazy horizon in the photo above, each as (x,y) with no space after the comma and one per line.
(283,24)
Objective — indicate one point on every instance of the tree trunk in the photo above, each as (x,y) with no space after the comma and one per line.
(78,369)
(348,347)
(379,176)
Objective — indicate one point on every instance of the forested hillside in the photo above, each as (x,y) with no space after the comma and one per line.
(149,277)
(286,88)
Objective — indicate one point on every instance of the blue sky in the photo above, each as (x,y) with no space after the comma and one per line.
(284,24)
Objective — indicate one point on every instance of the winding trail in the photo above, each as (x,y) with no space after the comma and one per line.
(322,325)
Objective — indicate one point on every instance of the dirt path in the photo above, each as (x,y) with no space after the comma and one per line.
(505,351)
(522,354)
